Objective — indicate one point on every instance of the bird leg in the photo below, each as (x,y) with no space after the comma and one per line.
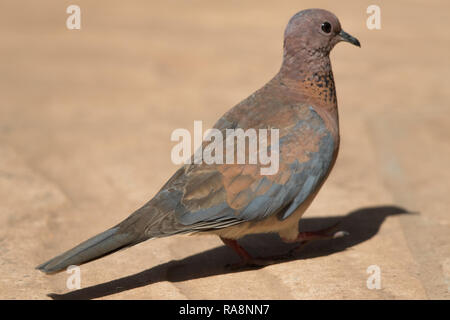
(246,259)
(323,234)
(305,237)
(233,244)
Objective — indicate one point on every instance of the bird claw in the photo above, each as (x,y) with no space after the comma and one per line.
(255,263)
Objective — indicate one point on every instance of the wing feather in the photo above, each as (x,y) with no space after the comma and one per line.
(202,197)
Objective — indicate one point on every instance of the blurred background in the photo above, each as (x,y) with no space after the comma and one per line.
(85,123)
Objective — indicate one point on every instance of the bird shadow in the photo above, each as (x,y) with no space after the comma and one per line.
(361,224)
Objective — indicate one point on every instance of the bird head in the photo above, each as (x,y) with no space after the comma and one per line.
(314,32)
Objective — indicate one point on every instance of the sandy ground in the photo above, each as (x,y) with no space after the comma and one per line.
(85,124)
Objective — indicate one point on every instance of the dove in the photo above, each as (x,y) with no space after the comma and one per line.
(235,200)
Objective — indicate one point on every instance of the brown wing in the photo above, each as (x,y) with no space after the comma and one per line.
(203,197)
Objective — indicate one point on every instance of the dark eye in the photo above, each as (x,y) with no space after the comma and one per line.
(326,27)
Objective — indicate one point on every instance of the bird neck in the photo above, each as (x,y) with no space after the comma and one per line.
(309,77)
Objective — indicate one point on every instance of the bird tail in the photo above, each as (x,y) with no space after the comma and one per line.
(96,247)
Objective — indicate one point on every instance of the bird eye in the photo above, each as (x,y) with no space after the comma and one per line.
(326,27)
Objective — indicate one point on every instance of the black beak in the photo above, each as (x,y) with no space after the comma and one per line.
(348,38)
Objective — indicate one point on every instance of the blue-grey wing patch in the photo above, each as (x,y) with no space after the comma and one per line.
(217,196)
(312,173)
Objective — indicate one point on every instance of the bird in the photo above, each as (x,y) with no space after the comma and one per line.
(235,200)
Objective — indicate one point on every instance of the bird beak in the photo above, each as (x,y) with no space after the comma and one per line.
(348,38)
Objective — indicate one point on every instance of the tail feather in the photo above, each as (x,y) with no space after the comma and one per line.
(96,247)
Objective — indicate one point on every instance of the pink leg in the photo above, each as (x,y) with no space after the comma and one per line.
(233,244)
(246,259)
(305,237)
(324,234)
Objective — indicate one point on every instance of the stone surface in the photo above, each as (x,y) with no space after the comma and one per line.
(85,124)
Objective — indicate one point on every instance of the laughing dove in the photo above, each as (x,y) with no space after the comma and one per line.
(234,200)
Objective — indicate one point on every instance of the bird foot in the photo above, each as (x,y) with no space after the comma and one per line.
(321,236)
(248,262)
(324,234)
(255,263)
